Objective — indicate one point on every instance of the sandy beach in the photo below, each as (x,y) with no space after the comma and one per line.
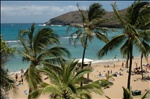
(115,91)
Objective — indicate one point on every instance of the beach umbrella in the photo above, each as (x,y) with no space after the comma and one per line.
(86,60)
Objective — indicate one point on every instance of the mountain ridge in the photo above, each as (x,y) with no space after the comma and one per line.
(74,17)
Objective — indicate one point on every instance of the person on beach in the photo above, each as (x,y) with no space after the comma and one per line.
(111,71)
(115,56)
(100,74)
(16,76)
(114,65)
(136,64)
(132,57)
(122,64)
(108,71)
(22,71)
(22,80)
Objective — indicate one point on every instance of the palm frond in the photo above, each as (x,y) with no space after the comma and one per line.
(44,38)
(143,21)
(75,36)
(72,88)
(97,21)
(140,45)
(50,71)
(94,86)
(95,11)
(107,97)
(6,83)
(23,41)
(53,60)
(85,95)
(35,94)
(27,56)
(55,52)
(83,16)
(127,94)
(102,37)
(51,89)
(134,10)
(33,77)
(144,96)
(125,48)
(145,35)
(147,47)
(78,76)
(117,14)
(115,42)
(30,35)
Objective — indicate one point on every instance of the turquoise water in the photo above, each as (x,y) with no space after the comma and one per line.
(10,31)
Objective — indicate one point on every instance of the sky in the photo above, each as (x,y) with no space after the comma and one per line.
(43,11)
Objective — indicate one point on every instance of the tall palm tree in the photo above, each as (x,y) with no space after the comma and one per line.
(132,35)
(90,27)
(139,16)
(37,48)
(65,82)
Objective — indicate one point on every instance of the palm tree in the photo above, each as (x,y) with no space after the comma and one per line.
(90,27)
(131,36)
(65,82)
(6,82)
(138,15)
(37,48)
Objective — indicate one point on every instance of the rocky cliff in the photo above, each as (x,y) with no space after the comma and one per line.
(74,17)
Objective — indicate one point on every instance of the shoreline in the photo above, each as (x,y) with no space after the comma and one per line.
(106,62)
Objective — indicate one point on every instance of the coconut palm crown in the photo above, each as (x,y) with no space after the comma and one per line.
(65,82)
(37,48)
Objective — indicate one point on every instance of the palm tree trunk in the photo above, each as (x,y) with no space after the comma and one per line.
(88,74)
(30,90)
(130,67)
(83,55)
(127,60)
(141,65)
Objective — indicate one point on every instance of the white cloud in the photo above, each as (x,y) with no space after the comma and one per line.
(34,13)
(29,10)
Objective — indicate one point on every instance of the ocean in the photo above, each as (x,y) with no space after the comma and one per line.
(9,32)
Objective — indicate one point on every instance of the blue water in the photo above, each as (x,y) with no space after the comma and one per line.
(10,31)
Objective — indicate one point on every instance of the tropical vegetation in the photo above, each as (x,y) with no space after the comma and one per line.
(6,82)
(136,33)
(65,82)
(38,47)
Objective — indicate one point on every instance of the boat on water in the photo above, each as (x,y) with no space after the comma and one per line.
(42,25)
(56,25)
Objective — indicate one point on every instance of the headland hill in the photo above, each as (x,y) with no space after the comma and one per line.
(74,17)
